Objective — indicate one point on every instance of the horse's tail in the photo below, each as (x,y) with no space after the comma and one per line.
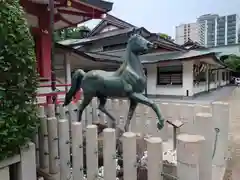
(76,84)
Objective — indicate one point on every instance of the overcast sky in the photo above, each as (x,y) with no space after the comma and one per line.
(163,15)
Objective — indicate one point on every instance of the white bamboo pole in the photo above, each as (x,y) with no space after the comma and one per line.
(84,116)
(221,115)
(43,140)
(89,115)
(51,110)
(92,152)
(116,114)
(36,142)
(64,149)
(110,110)
(94,110)
(109,152)
(52,128)
(27,166)
(145,116)
(72,109)
(140,120)
(164,131)
(62,112)
(133,124)
(77,151)
(129,156)
(204,124)
(187,117)
(188,155)
(155,158)
(168,115)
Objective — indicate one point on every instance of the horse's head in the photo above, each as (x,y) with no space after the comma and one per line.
(138,44)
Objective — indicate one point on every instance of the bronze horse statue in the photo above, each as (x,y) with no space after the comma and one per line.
(128,81)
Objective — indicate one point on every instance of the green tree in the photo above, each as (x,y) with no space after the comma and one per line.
(18,80)
(233,62)
(71,33)
(165,36)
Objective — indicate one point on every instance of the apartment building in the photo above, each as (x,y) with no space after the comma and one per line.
(218,30)
(212,30)
(185,32)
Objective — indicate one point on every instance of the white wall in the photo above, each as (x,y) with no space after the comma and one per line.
(176,90)
(179,90)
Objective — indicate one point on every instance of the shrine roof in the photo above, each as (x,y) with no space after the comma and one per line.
(76,43)
(90,39)
(66,13)
(153,58)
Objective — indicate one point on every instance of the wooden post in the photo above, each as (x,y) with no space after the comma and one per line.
(204,124)
(176,125)
(92,152)
(129,156)
(52,128)
(188,155)
(43,140)
(77,151)
(109,153)
(64,149)
(155,158)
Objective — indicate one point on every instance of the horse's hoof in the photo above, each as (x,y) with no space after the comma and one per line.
(159,126)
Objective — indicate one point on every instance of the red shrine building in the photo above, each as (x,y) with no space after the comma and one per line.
(67,13)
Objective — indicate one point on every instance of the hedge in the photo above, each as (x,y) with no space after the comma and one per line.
(18,80)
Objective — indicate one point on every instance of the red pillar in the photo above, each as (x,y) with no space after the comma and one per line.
(45,55)
(44,47)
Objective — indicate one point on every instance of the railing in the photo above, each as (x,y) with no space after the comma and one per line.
(61,138)
(50,95)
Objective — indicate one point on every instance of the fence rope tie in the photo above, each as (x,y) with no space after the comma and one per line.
(217,130)
(187,164)
(55,139)
(57,158)
(169,175)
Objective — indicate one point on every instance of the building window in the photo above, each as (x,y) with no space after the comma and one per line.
(170,75)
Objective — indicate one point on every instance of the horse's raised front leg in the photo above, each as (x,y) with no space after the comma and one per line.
(132,107)
(101,107)
(85,102)
(140,98)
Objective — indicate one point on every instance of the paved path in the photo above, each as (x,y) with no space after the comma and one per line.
(221,94)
